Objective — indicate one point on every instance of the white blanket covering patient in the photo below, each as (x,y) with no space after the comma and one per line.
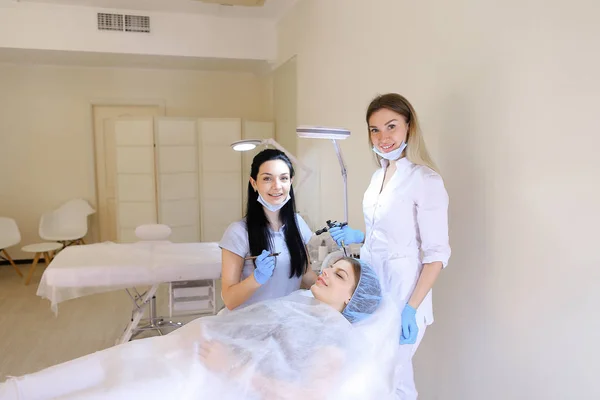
(336,341)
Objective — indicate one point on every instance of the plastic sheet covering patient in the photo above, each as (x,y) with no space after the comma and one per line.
(327,343)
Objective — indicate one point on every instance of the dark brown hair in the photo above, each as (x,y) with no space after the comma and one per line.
(259,235)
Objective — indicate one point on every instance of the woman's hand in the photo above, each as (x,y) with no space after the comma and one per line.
(265,264)
(215,356)
(347,234)
(409,329)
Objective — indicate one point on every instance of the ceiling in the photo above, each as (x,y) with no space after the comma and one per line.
(272,9)
(114,60)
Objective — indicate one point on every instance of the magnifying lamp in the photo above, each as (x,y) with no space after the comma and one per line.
(251,144)
(333,134)
(246,145)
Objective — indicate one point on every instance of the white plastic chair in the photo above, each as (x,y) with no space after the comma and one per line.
(68,224)
(9,236)
(153,232)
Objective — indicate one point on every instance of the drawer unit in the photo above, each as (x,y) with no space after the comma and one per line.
(192,298)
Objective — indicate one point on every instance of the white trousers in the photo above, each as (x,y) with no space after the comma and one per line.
(405,382)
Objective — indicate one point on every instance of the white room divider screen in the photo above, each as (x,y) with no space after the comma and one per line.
(221,176)
(177,175)
(135,176)
(183,173)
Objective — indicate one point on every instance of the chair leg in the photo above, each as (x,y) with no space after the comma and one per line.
(11,262)
(47,258)
(32,268)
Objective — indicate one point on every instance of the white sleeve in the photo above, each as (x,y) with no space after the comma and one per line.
(304,229)
(432,217)
(235,239)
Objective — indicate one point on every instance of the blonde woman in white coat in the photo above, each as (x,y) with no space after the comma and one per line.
(406,218)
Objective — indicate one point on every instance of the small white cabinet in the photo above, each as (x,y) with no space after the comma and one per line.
(192,298)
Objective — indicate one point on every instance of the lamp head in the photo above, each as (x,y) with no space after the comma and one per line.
(245,145)
(322,132)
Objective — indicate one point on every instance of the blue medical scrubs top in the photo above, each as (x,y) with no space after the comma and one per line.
(235,239)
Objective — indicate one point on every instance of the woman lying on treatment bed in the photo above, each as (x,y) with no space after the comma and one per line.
(326,343)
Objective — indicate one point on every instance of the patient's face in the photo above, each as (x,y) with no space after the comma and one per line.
(335,285)
(273,181)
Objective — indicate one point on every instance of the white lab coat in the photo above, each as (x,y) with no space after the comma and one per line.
(406,227)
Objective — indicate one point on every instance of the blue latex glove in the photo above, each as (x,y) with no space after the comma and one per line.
(409,330)
(265,264)
(347,234)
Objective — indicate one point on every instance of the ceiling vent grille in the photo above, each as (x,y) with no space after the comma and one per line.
(123,23)
(137,23)
(110,22)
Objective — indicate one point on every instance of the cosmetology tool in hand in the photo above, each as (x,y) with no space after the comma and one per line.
(330,225)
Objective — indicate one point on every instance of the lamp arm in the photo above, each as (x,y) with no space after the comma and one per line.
(338,152)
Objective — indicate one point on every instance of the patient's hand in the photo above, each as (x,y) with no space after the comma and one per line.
(215,356)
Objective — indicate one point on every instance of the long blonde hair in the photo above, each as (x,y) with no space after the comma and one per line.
(416,151)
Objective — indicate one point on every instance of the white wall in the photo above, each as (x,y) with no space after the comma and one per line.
(52,27)
(284,111)
(46,137)
(284,104)
(507,94)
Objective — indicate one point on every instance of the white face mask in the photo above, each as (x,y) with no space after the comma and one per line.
(272,207)
(392,155)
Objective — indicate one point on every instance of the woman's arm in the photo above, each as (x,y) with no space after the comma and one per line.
(219,359)
(310,277)
(426,280)
(234,292)
(322,375)
(432,218)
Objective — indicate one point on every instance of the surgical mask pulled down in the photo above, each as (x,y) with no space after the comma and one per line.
(392,155)
(272,207)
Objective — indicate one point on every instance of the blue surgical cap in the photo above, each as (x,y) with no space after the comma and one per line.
(366,297)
